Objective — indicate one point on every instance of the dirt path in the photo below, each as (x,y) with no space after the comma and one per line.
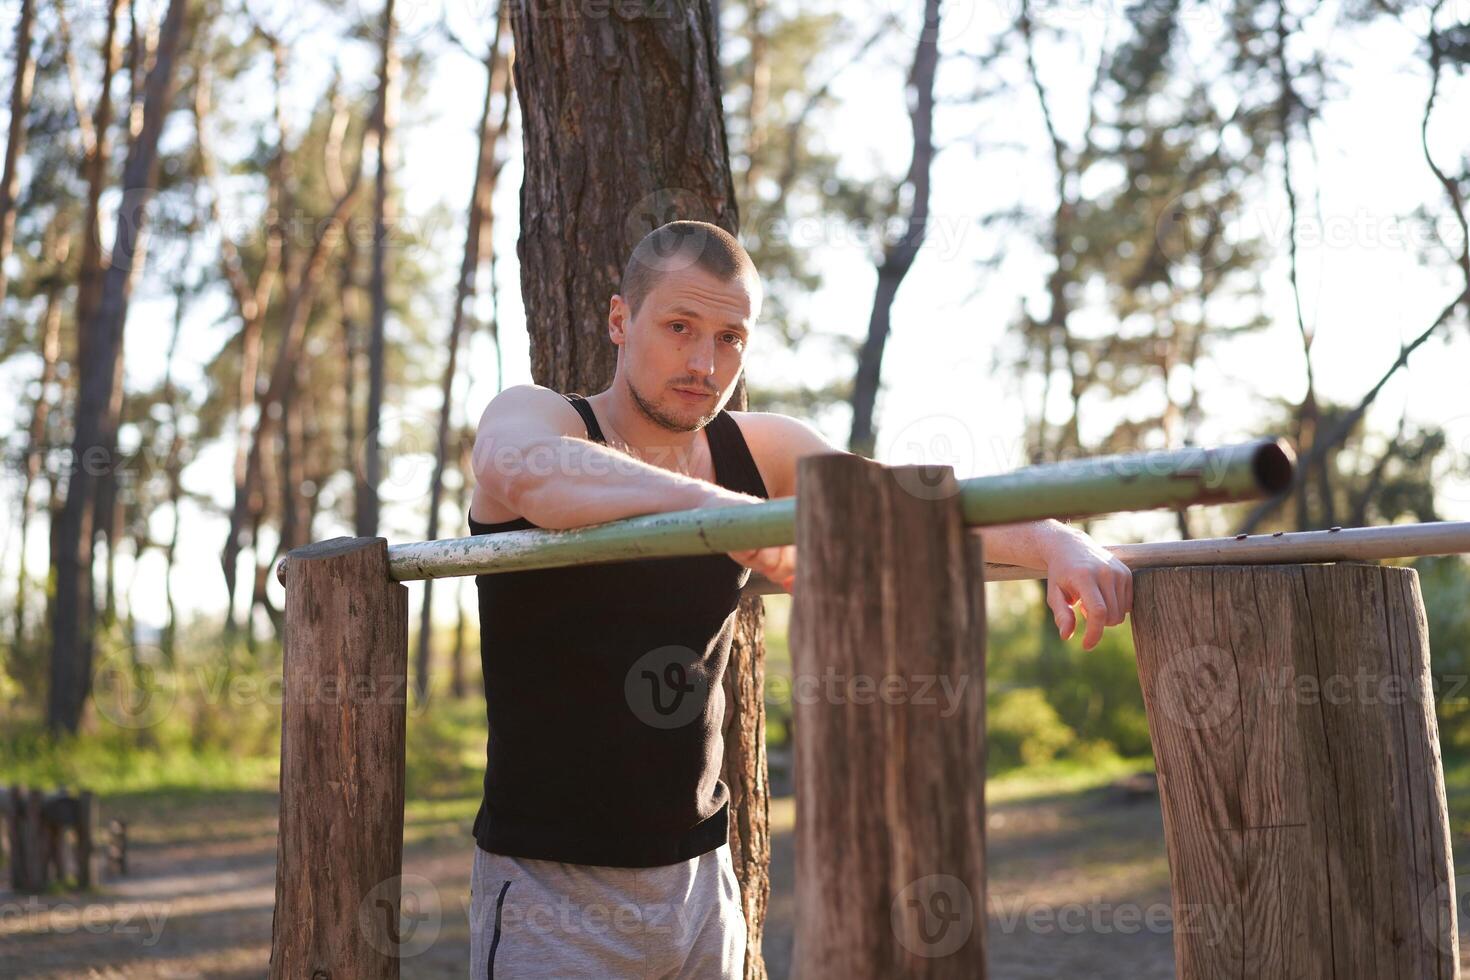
(1078,887)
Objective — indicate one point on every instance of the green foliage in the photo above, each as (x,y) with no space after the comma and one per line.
(1444,583)
(1094,694)
(1022,728)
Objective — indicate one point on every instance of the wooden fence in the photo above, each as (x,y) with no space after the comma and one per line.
(1319,831)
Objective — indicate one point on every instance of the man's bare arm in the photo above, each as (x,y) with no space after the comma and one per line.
(530,454)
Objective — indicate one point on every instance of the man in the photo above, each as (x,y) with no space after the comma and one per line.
(602,836)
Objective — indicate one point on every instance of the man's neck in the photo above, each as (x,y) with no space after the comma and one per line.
(644,439)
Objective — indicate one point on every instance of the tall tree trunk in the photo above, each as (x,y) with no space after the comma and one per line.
(349,294)
(464,442)
(71,655)
(641,93)
(251,299)
(482,192)
(173,469)
(898,257)
(384,123)
(20,105)
(40,413)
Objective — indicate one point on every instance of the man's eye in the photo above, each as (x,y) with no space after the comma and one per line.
(678,323)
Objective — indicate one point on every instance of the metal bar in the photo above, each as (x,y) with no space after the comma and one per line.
(1079,488)
(1283,548)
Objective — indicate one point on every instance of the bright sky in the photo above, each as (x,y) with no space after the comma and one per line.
(1366,285)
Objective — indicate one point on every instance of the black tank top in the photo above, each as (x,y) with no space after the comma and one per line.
(604,693)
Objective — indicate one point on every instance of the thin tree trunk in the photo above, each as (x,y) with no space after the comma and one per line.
(20,105)
(348,293)
(301,297)
(40,414)
(173,469)
(71,660)
(898,257)
(384,123)
(482,192)
(251,299)
(462,504)
(650,147)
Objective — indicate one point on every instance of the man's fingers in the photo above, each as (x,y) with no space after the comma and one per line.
(1096,611)
(1108,586)
(1061,610)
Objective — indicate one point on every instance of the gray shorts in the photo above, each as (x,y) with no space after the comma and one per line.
(548,919)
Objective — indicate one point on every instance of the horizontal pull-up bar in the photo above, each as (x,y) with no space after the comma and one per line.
(1279,548)
(1282,548)
(1077,488)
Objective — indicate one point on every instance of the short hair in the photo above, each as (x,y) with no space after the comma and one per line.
(678,245)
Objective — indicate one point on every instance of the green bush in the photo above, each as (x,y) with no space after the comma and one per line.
(1022,728)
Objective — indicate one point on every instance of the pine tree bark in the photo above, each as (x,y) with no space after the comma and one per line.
(899,256)
(74,612)
(20,104)
(623,131)
(385,122)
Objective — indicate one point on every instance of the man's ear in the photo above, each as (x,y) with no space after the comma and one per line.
(617,319)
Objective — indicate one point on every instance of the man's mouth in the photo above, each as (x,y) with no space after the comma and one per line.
(694,392)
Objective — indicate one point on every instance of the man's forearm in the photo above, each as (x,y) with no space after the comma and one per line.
(573,482)
(1028,544)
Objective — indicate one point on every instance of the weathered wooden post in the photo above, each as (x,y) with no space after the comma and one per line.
(340,845)
(888,663)
(1298,756)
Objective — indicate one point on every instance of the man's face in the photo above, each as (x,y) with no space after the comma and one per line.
(690,333)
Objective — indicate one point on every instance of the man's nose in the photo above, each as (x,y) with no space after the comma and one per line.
(702,359)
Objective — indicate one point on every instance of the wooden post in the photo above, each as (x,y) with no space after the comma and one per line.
(34,836)
(888,659)
(20,855)
(88,825)
(1298,756)
(340,844)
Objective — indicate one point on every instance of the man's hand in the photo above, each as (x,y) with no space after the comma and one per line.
(777,563)
(1079,570)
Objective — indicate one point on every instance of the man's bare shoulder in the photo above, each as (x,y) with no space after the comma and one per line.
(777,441)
